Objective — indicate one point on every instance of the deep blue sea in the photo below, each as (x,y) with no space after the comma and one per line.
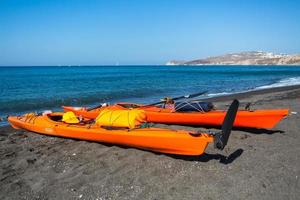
(27,89)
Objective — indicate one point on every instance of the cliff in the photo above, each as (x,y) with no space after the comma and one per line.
(244,58)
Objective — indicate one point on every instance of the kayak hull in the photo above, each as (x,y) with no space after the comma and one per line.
(154,139)
(251,119)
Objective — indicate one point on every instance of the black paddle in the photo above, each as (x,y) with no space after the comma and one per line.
(189,96)
(222,137)
(93,108)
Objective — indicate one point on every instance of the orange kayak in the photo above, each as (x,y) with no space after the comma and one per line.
(153,139)
(251,119)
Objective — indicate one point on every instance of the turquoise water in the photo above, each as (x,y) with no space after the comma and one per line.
(26,89)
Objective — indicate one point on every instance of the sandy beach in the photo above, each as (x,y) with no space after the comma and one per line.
(256,164)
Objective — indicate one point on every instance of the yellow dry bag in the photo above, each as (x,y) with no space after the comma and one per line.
(70,118)
(121,118)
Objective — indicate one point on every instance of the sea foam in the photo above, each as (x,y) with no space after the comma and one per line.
(281,83)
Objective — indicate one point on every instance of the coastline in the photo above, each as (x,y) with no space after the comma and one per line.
(245,94)
(234,65)
(256,163)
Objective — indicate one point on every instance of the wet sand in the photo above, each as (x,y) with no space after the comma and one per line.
(256,164)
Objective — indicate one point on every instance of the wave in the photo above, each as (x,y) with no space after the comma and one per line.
(219,94)
(281,83)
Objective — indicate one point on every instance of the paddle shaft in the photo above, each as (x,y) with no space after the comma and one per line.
(153,104)
(177,98)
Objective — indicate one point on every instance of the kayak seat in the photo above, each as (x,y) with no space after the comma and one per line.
(128,105)
(57,118)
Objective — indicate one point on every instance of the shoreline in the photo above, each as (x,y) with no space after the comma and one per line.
(217,99)
(243,95)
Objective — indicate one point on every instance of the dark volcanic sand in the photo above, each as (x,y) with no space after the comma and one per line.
(256,164)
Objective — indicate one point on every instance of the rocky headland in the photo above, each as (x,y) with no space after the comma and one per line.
(244,58)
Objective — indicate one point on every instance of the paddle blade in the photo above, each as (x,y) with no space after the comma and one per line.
(228,121)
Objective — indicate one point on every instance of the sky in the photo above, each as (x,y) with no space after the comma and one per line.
(109,32)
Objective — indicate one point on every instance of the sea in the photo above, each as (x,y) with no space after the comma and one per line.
(34,89)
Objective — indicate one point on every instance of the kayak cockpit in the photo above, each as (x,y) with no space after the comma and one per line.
(55,117)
